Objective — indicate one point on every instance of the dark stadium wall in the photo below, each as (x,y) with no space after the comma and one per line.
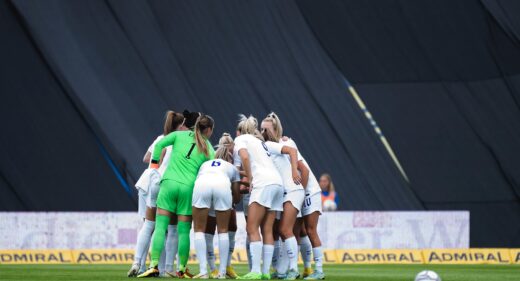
(51,160)
(440,77)
(126,62)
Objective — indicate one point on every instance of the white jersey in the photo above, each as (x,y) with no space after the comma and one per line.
(218,168)
(262,167)
(313,186)
(283,163)
(166,158)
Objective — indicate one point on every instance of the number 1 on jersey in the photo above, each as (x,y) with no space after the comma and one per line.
(191,150)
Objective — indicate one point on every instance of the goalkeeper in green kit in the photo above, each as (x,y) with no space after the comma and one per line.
(189,150)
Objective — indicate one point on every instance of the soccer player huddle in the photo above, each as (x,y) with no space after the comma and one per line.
(189,181)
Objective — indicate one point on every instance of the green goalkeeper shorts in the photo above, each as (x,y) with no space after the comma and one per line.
(175,197)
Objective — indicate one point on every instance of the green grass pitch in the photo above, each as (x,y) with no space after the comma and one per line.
(334,272)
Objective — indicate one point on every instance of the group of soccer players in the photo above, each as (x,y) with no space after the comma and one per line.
(187,180)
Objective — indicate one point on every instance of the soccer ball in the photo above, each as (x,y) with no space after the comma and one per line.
(329,205)
(427,275)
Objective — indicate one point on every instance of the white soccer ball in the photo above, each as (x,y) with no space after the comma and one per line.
(427,275)
(329,205)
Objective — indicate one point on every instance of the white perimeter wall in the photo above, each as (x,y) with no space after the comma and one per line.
(338,230)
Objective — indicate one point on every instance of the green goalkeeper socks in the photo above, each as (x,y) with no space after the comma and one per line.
(159,235)
(183,229)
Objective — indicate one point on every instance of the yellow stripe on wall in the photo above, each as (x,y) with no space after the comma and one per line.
(379,256)
(331,256)
(467,256)
(382,137)
(514,254)
(36,257)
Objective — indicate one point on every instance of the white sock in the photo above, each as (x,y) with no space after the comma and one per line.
(231,246)
(276,253)
(172,241)
(318,258)
(306,251)
(223,248)
(283,260)
(248,250)
(292,252)
(256,256)
(200,249)
(145,256)
(267,254)
(162,261)
(210,250)
(143,241)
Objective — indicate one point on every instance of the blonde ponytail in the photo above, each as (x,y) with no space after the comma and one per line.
(223,148)
(225,140)
(202,123)
(247,125)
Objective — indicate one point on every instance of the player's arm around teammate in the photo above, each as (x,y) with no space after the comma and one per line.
(266,195)
(293,198)
(311,212)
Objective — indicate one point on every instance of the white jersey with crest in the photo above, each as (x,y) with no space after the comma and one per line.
(313,186)
(283,163)
(217,168)
(263,169)
(166,158)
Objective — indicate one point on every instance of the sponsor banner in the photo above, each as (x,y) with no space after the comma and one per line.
(103,256)
(399,256)
(36,257)
(90,256)
(337,230)
(514,254)
(467,256)
(330,256)
(379,256)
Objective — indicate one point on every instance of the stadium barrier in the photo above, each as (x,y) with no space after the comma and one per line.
(337,230)
(412,237)
(398,256)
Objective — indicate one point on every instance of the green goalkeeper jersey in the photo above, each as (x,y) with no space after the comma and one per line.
(185,159)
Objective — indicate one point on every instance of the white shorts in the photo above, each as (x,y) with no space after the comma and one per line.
(147,200)
(296,198)
(141,203)
(270,196)
(214,193)
(245,202)
(311,204)
(151,197)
